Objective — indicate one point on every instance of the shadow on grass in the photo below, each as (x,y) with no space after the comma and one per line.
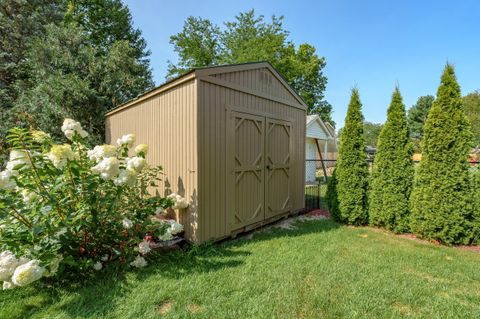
(96,296)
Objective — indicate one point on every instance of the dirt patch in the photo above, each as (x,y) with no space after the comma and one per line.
(402,308)
(471,248)
(165,307)
(319,212)
(194,308)
(413,237)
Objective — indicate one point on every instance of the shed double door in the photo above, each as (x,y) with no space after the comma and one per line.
(259,160)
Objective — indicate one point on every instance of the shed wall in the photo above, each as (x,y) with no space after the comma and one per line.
(167,122)
(212,125)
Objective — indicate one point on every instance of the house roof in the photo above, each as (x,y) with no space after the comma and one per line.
(205,71)
(316,119)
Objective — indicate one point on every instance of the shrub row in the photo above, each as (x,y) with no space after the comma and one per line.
(440,200)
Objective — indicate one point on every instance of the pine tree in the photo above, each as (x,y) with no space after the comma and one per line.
(352,169)
(441,201)
(476,197)
(392,174)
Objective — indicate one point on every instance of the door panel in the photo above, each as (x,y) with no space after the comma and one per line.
(246,160)
(278,162)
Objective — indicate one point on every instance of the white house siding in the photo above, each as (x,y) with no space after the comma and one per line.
(310,153)
(314,130)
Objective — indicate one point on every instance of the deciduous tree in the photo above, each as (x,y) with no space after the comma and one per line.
(417,115)
(249,38)
(472,109)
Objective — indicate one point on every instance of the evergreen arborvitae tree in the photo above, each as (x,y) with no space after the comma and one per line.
(332,197)
(476,198)
(352,168)
(392,174)
(442,201)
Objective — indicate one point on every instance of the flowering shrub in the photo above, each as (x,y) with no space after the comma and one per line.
(67,207)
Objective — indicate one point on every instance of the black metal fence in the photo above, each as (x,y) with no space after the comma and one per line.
(317,173)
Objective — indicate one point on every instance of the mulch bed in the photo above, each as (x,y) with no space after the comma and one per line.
(318,212)
(325,213)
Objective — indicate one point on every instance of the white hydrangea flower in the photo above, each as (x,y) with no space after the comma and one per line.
(59,155)
(127,139)
(175,228)
(141,149)
(144,247)
(8,263)
(28,273)
(101,151)
(139,262)
(136,163)
(6,180)
(108,168)
(17,157)
(127,223)
(7,285)
(104,258)
(179,201)
(98,266)
(40,136)
(126,177)
(70,127)
(28,196)
(166,236)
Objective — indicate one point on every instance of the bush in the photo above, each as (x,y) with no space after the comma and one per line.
(67,208)
(441,201)
(393,171)
(332,196)
(352,168)
(476,193)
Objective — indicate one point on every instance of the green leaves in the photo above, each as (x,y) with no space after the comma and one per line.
(67,59)
(71,211)
(472,110)
(250,38)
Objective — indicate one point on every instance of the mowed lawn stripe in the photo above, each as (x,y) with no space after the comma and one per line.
(318,270)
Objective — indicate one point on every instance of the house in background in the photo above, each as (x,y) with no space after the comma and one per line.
(320,147)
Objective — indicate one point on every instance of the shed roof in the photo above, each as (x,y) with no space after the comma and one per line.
(205,71)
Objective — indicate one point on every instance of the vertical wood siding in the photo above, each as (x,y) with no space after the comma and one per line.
(258,79)
(186,129)
(167,122)
(212,125)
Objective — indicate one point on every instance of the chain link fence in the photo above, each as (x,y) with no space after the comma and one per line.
(317,174)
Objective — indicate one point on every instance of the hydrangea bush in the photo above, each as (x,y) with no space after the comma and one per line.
(65,207)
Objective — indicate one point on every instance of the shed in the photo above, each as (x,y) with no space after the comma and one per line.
(320,147)
(231,139)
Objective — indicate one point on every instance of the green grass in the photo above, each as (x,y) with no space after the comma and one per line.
(320,270)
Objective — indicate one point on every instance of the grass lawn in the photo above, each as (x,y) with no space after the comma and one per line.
(320,270)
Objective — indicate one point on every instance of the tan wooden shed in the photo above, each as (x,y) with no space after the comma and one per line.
(231,139)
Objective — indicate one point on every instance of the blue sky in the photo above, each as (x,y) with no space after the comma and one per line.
(369,44)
